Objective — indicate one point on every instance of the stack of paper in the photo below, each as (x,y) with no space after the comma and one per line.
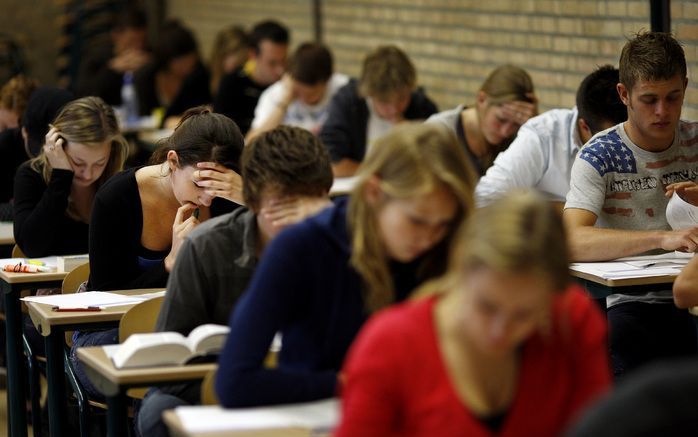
(316,417)
(637,266)
(101,299)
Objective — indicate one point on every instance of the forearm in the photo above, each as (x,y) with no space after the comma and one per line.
(686,286)
(588,243)
(274,118)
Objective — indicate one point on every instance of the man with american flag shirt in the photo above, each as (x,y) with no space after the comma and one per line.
(619,189)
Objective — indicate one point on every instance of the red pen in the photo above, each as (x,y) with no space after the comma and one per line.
(65,309)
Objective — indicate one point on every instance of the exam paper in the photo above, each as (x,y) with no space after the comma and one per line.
(681,214)
(637,266)
(319,416)
(100,299)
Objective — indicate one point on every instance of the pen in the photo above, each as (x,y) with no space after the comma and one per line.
(66,309)
(196,213)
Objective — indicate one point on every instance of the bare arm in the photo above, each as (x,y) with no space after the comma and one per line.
(344,168)
(686,286)
(588,243)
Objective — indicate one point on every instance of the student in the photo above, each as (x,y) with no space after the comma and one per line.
(363,111)
(286,177)
(142,215)
(617,193)
(125,51)
(504,102)
(302,96)
(505,347)
(319,280)
(14,97)
(685,288)
(175,79)
(230,52)
(544,149)
(239,92)
(55,191)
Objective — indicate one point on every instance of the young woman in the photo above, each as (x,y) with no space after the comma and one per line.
(505,346)
(319,280)
(142,215)
(54,192)
(504,102)
(230,51)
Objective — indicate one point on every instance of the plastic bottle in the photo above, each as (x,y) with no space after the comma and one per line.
(129,102)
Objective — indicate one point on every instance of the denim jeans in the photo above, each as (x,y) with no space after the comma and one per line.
(90,338)
(149,416)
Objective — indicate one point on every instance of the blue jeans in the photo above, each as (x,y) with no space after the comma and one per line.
(149,417)
(91,338)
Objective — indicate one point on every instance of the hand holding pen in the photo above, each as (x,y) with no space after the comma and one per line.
(180,229)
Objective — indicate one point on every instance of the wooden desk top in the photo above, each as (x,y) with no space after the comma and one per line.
(7,236)
(43,317)
(97,359)
(28,278)
(649,280)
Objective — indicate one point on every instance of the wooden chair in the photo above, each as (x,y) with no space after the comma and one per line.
(17,252)
(208,392)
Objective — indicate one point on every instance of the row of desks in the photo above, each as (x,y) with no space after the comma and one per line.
(111,381)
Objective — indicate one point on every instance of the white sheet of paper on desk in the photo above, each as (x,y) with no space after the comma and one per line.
(636,266)
(681,214)
(320,416)
(101,299)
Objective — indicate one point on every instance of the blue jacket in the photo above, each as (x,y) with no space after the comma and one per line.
(305,288)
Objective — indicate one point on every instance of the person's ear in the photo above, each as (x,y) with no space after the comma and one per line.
(585,133)
(372,191)
(623,93)
(172,160)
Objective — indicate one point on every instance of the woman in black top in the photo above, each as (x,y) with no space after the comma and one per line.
(54,192)
(142,215)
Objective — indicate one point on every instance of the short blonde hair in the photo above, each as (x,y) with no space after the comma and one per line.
(386,71)
(412,160)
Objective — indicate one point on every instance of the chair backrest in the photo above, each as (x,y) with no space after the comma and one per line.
(17,252)
(208,392)
(75,278)
(140,319)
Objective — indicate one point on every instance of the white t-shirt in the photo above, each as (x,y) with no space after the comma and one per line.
(376,127)
(310,117)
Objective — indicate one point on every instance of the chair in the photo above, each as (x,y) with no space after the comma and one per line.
(17,252)
(208,392)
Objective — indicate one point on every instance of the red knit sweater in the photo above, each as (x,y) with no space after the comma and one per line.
(397,385)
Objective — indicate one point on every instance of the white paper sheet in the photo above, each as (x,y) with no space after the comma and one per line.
(100,299)
(320,415)
(681,214)
(636,267)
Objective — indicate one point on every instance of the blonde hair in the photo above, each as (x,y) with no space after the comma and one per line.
(386,71)
(91,122)
(412,160)
(508,83)
(231,40)
(519,233)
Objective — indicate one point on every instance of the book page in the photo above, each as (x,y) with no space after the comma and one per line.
(208,338)
(152,349)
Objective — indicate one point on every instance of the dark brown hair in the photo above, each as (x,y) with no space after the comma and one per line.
(288,159)
(202,136)
(386,71)
(651,56)
(311,64)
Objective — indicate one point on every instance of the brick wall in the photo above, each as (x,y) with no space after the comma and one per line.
(455,43)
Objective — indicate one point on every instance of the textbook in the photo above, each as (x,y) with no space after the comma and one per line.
(169,348)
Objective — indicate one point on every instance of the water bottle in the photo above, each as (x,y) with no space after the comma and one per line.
(129,103)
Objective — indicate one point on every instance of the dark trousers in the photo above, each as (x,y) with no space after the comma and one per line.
(643,332)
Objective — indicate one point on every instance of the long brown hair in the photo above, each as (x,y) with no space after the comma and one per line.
(411,160)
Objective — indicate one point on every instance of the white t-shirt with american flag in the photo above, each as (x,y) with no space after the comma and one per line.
(624,185)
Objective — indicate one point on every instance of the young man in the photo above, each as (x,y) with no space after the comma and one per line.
(545,147)
(362,111)
(617,199)
(239,91)
(302,96)
(286,177)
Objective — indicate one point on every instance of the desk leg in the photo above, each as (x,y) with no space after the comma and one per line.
(117,415)
(16,375)
(55,342)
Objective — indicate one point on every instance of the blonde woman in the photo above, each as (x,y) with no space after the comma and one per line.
(503,346)
(505,101)
(54,192)
(230,52)
(319,280)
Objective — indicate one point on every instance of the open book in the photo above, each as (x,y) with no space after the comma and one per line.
(168,348)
